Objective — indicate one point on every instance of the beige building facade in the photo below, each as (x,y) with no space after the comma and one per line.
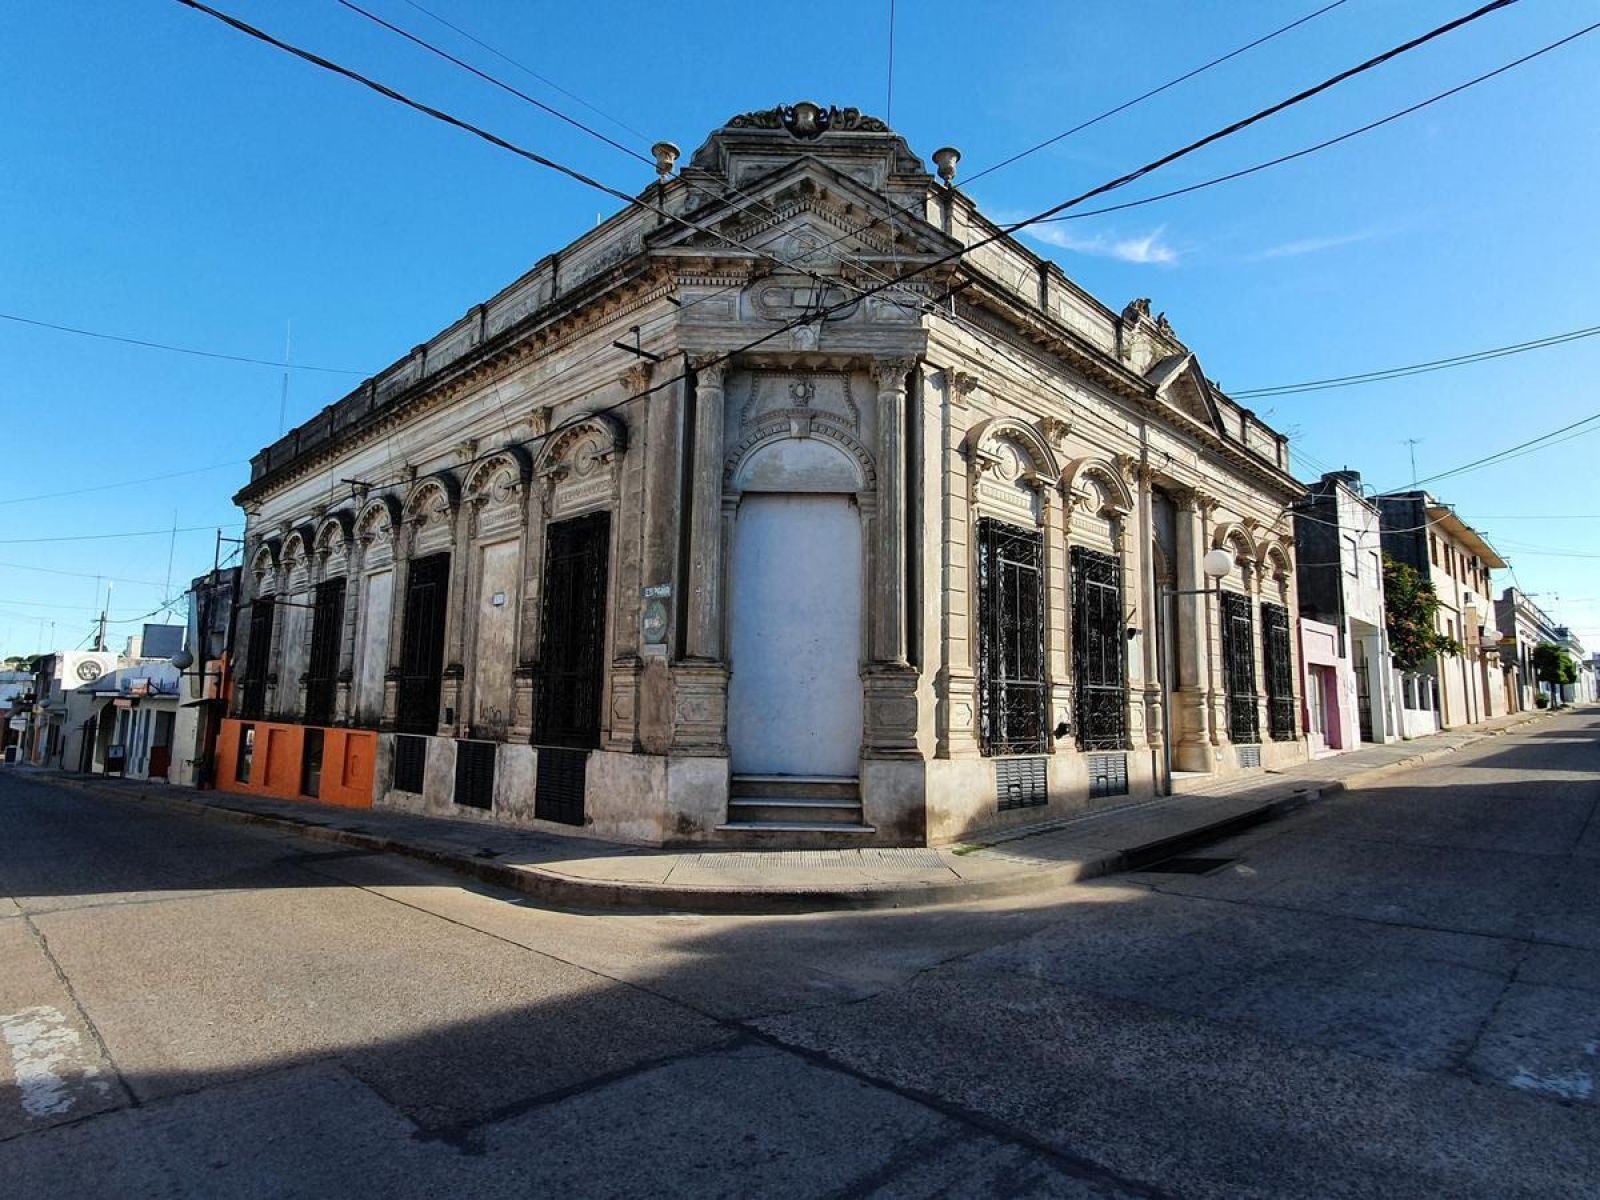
(706,531)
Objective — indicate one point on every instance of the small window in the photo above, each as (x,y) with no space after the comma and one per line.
(1351,559)
(247,753)
(311,765)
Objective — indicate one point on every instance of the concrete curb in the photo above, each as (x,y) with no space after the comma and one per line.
(567,891)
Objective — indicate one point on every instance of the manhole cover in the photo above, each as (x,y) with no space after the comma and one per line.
(1188,866)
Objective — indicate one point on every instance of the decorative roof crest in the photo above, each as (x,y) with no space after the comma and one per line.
(807,121)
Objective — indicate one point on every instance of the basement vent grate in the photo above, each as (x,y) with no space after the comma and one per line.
(1249,756)
(410,757)
(1020,783)
(1108,775)
(558,784)
(1187,866)
(475,774)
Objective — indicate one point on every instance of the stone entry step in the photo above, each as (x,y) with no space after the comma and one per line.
(804,787)
(795,827)
(811,810)
(811,804)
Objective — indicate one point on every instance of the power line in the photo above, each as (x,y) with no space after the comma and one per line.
(1226,131)
(1156,91)
(100,537)
(81,574)
(1438,364)
(466,66)
(824,311)
(723,196)
(527,70)
(1333,141)
(112,337)
(479,131)
(888,97)
(106,487)
(1512,451)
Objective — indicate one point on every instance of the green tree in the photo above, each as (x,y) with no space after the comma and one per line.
(1553,665)
(1411,608)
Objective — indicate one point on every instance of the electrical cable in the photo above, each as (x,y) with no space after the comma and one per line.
(824,311)
(466,66)
(1171,83)
(100,537)
(529,71)
(1334,141)
(239,358)
(105,487)
(1439,364)
(478,131)
(1511,451)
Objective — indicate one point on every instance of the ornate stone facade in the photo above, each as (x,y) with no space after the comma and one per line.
(939,539)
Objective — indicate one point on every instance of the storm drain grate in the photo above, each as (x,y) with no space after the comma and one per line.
(1187,866)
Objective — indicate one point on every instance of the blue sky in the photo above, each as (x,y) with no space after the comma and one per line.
(164,178)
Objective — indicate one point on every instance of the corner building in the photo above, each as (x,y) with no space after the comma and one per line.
(682,539)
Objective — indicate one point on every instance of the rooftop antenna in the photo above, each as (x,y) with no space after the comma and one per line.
(283,396)
(1411,445)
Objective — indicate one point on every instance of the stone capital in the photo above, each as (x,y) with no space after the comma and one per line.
(709,370)
(890,373)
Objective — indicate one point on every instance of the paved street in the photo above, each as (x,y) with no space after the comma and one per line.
(1394,992)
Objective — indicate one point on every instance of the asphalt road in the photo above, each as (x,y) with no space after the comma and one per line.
(1395,992)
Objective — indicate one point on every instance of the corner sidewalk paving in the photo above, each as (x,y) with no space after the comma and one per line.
(585,873)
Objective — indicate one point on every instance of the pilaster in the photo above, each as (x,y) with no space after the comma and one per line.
(704,636)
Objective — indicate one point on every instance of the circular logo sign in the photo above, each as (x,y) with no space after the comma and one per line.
(89,670)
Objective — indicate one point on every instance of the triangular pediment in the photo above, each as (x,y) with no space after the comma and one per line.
(1180,384)
(809,214)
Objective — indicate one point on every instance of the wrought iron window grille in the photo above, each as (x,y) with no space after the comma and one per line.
(1099,650)
(1011,662)
(1239,668)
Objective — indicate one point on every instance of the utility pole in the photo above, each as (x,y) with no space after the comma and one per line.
(100,635)
(1411,445)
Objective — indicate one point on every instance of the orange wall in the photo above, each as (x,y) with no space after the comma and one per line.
(348,759)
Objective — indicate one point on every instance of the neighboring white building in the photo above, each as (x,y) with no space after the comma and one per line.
(1351,691)
(1457,560)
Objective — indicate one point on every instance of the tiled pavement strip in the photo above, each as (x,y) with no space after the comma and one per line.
(583,872)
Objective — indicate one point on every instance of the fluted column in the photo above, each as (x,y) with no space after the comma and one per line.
(704,634)
(889,550)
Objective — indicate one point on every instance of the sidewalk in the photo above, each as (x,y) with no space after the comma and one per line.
(584,873)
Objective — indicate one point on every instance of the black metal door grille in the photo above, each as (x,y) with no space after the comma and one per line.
(1099,650)
(572,641)
(1239,667)
(1363,695)
(327,624)
(410,762)
(1011,679)
(558,785)
(475,774)
(422,644)
(1280,672)
(257,655)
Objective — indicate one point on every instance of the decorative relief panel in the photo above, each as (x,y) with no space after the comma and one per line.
(577,469)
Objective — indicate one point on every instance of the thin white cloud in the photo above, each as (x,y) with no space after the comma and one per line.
(1151,247)
(1314,245)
